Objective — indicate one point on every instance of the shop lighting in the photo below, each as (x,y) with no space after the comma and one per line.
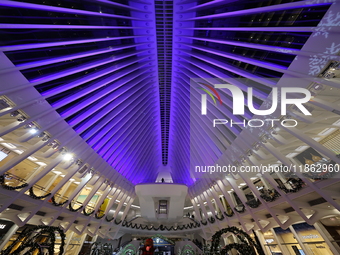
(68,156)
(33,130)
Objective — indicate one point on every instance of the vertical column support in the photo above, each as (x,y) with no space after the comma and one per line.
(327,237)
(283,248)
(303,246)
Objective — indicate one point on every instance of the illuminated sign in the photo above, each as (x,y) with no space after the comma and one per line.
(310,236)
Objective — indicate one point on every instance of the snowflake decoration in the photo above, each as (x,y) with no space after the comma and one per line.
(316,64)
(334,49)
(321,31)
(330,20)
(316,1)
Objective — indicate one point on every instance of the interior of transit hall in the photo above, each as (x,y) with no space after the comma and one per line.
(108,107)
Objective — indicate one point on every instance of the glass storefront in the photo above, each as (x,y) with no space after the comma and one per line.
(311,240)
(271,244)
(288,241)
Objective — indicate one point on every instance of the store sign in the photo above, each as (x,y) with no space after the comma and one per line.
(5,226)
(76,239)
(310,236)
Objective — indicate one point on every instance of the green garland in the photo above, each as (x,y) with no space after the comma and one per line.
(98,217)
(58,204)
(34,196)
(246,247)
(298,186)
(86,213)
(219,218)
(241,210)
(257,240)
(129,249)
(270,198)
(211,220)
(117,222)
(161,227)
(253,203)
(3,184)
(187,251)
(204,223)
(28,239)
(109,220)
(74,210)
(229,214)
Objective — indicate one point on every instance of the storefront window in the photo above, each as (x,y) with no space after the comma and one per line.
(288,240)
(271,244)
(312,239)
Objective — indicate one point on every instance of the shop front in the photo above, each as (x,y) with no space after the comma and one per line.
(299,239)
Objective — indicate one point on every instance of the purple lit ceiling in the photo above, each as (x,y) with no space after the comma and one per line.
(119,72)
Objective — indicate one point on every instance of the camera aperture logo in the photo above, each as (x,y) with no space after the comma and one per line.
(239,103)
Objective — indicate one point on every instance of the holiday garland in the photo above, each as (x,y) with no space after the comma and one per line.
(86,213)
(229,214)
(240,210)
(34,196)
(257,240)
(204,223)
(219,218)
(271,196)
(129,249)
(99,217)
(117,222)
(29,239)
(211,220)
(253,203)
(161,227)
(58,204)
(188,251)
(5,186)
(74,210)
(298,183)
(246,246)
(109,220)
